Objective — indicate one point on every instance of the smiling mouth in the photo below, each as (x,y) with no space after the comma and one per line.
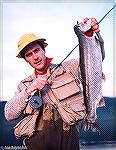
(38,63)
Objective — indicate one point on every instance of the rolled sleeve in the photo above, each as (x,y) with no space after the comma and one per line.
(16,105)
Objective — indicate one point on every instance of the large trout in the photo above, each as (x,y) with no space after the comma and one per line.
(91,51)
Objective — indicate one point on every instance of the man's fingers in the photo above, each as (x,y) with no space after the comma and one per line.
(85,19)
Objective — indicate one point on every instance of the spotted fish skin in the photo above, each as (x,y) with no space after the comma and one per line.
(91,51)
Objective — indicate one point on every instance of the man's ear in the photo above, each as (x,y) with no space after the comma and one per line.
(44,50)
(26,60)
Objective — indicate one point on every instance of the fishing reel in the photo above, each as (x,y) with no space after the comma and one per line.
(35,101)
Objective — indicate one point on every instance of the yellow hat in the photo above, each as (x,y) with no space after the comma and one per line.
(27,39)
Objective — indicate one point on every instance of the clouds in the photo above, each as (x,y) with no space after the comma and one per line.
(53,21)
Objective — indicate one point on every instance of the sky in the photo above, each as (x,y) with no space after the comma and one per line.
(54,22)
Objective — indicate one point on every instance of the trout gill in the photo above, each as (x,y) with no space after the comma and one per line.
(91,52)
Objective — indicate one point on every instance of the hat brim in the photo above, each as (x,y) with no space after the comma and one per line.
(38,40)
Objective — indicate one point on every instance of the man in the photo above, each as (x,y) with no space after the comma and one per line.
(44,126)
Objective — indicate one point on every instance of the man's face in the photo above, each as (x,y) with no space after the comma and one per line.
(35,56)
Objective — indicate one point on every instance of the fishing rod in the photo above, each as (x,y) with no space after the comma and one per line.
(107,13)
(36,101)
(78,43)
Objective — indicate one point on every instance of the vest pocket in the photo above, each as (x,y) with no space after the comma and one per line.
(64,87)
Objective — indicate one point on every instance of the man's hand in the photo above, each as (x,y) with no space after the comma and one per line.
(37,84)
(93,22)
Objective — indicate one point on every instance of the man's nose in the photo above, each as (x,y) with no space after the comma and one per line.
(35,56)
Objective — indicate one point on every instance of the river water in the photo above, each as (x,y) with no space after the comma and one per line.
(99,147)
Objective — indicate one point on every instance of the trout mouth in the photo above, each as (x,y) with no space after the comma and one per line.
(83,27)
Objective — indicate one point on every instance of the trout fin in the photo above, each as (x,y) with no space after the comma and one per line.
(87,126)
(103,76)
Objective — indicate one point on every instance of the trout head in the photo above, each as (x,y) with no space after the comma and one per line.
(82,27)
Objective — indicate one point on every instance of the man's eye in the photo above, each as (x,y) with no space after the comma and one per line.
(28,55)
(36,50)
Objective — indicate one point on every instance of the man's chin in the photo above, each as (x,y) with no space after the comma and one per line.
(39,68)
